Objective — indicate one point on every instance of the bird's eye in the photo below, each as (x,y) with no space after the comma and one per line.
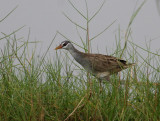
(64,44)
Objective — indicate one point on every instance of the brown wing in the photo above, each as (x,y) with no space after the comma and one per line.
(103,63)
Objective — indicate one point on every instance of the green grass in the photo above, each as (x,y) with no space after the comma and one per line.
(41,88)
(35,90)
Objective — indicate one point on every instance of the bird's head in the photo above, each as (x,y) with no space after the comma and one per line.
(64,45)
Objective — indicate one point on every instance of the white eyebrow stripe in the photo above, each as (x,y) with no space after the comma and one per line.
(62,43)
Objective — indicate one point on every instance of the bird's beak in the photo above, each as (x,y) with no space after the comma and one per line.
(58,47)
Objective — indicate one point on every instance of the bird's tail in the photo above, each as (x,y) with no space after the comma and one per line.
(130,64)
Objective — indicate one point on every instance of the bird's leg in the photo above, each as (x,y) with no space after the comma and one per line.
(107,78)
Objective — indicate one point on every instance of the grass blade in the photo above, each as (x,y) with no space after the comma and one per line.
(77,9)
(97,11)
(103,30)
(74,22)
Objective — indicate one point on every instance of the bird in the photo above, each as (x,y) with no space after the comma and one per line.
(99,65)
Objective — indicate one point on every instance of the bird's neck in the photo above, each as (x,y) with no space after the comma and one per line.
(75,53)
